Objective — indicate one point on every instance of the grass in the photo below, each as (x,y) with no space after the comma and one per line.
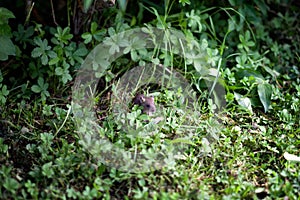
(245,162)
(48,151)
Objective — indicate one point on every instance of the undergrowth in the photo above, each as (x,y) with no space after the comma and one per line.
(252,47)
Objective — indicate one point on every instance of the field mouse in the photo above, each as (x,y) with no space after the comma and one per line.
(147,103)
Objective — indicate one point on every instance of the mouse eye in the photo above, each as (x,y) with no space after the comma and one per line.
(147,105)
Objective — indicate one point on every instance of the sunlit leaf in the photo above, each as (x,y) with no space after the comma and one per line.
(243,101)
(265,92)
(291,157)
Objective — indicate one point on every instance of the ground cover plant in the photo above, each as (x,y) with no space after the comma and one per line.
(253,47)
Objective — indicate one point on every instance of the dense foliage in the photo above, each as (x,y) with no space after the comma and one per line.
(252,45)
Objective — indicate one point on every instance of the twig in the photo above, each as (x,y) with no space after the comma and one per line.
(53,14)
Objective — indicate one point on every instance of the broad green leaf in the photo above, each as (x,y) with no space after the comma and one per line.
(122,4)
(247,35)
(87,4)
(36,89)
(11,184)
(250,43)
(80,52)
(51,54)
(87,38)
(59,71)
(5,92)
(66,77)
(46,93)
(241,73)
(3,56)
(5,30)
(44,59)
(241,37)
(231,25)
(66,34)
(232,2)
(243,101)
(36,52)
(6,48)
(5,14)
(2,99)
(94,27)
(262,6)
(98,35)
(38,41)
(265,92)
(134,55)
(41,82)
(53,61)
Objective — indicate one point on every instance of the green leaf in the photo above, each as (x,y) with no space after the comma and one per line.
(134,55)
(3,56)
(87,38)
(265,92)
(245,102)
(183,2)
(87,4)
(36,89)
(51,54)
(231,25)
(59,71)
(66,33)
(53,61)
(47,138)
(273,73)
(98,35)
(46,93)
(5,14)
(24,35)
(31,188)
(6,48)
(5,92)
(94,27)
(44,59)
(11,184)
(66,77)
(63,35)
(47,170)
(45,87)
(3,147)
(247,35)
(80,52)
(250,43)
(5,30)
(41,82)
(241,73)
(36,52)
(38,41)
